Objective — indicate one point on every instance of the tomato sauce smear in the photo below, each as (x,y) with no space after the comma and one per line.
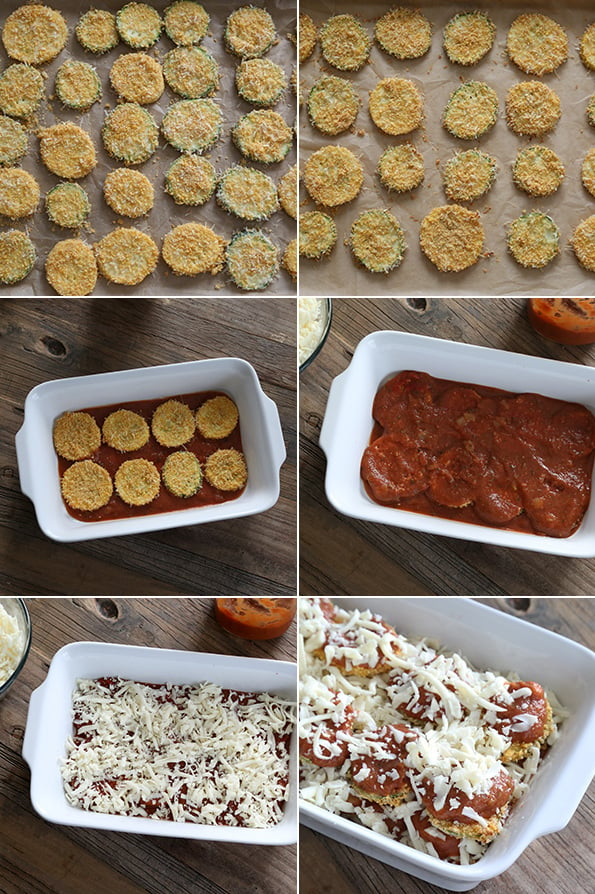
(472,453)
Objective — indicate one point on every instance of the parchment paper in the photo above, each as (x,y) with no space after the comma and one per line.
(436,77)
(165,214)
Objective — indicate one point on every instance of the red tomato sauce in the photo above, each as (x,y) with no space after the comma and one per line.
(568,321)
(476,454)
(111,459)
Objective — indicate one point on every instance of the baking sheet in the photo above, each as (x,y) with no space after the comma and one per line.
(165,214)
(436,77)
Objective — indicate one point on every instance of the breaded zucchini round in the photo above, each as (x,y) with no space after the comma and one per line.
(289,261)
(182,474)
(173,423)
(583,243)
(19,193)
(126,256)
(451,237)
(333,104)
(287,190)
(377,241)
(260,82)
(186,22)
(536,44)
(217,417)
(34,34)
(468,37)
(137,482)
(13,140)
(252,260)
(77,85)
(247,193)
(587,47)
(307,36)
(67,205)
(70,268)
(191,72)
(21,90)
(76,435)
(345,43)
(333,176)
(86,486)
(193,248)
(192,125)
(591,111)
(538,171)
(67,150)
(191,180)
(139,25)
(404,33)
(588,172)
(532,108)
(17,257)
(125,431)
(533,239)
(96,31)
(471,111)
(137,77)
(401,168)
(396,106)
(130,134)
(468,175)
(128,193)
(249,32)
(226,470)
(317,234)
(263,135)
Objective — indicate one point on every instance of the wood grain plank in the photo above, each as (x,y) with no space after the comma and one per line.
(45,340)
(37,857)
(392,561)
(560,863)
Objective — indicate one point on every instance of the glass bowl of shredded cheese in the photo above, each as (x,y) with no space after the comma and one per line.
(314,323)
(15,641)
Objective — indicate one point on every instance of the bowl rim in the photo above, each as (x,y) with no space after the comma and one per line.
(25,654)
(323,336)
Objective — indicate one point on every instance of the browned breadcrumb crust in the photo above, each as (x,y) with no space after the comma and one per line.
(34,34)
(128,192)
(19,193)
(537,44)
(173,423)
(96,31)
(67,150)
(287,189)
(333,176)
(345,42)
(404,33)
(17,256)
(401,168)
(249,32)
(126,256)
(186,22)
(226,470)
(137,77)
(76,435)
(587,47)
(182,474)
(70,268)
(532,108)
(289,261)
(538,170)
(125,431)
(86,486)
(583,243)
(588,172)
(396,106)
(193,248)
(317,234)
(137,482)
(217,417)
(452,237)
(518,751)
(21,90)
(468,37)
(333,104)
(307,36)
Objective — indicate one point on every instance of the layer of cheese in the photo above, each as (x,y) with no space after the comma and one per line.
(12,643)
(184,753)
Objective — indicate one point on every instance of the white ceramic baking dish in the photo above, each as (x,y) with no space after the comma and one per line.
(49,723)
(262,441)
(490,639)
(348,424)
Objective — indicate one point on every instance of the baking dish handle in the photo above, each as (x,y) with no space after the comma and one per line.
(273,425)
(33,728)
(335,399)
(24,467)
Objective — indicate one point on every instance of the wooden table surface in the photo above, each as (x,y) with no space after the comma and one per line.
(42,340)
(344,556)
(37,857)
(562,863)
